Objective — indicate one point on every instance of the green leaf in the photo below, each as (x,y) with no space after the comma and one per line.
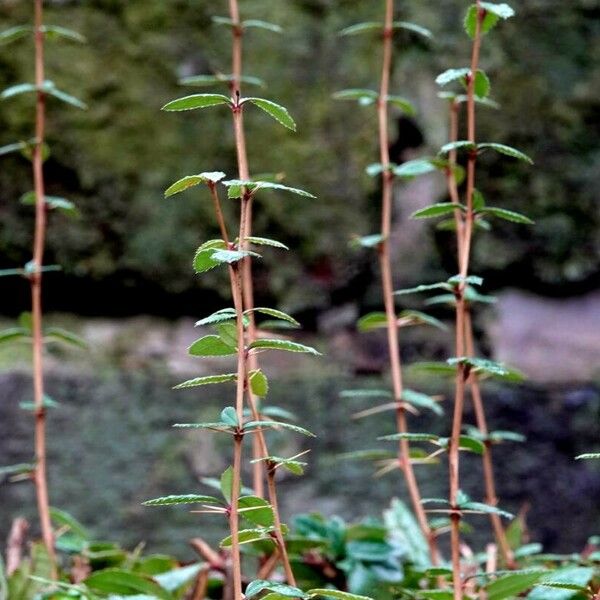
(480,507)
(13,334)
(588,456)
(438,368)
(366,394)
(417,317)
(507,150)
(424,288)
(226,483)
(50,88)
(482,85)
(211,345)
(411,437)
(67,337)
(207,380)
(363,96)
(421,401)
(507,215)
(253,425)
(18,469)
(9,148)
(15,33)
(437,210)
(275,344)
(512,585)
(203,259)
(119,581)
(277,314)
(459,145)
(278,112)
(403,104)
(218,426)
(52,202)
(262,25)
(256,510)
(182,499)
(366,27)
(327,593)
(225,314)
(196,101)
(567,581)
(229,417)
(451,75)
(260,241)
(47,402)
(53,32)
(229,333)
(368,241)
(493,13)
(412,27)
(259,384)
(260,585)
(412,168)
(488,367)
(208,80)
(236,187)
(193,180)
(65,520)
(371,321)
(175,579)
(247,536)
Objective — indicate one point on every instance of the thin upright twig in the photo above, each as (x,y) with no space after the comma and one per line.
(41,483)
(385,262)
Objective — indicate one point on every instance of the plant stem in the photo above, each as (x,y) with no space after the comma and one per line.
(462,373)
(41,484)
(244,174)
(388,287)
(488,466)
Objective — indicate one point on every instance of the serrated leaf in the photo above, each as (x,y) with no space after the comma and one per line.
(277,314)
(207,380)
(288,346)
(196,101)
(260,241)
(482,85)
(493,13)
(512,585)
(507,150)
(256,510)
(247,536)
(437,210)
(588,456)
(507,215)
(274,110)
(451,75)
(203,259)
(411,437)
(259,384)
(208,80)
(260,585)
(459,145)
(18,469)
(253,425)
(424,288)
(480,507)
(119,581)
(237,185)
(225,314)
(182,499)
(417,317)
(52,202)
(211,345)
(488,367)
(193,180)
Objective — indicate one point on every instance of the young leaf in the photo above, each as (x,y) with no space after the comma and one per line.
(15,33)
(276,111)
(507,150)
(225,314)
(371,321)
(259,384)
(229,417)
(193,180)
(196,101)
(482,85)
(207,380)
(226,483)
(236,187)
(208,80)
(211,345)
(182,499)
(437,210)
(253,425)
(507,215)
(260,241)
(275,344)
(492,14)
(277,314)
(256,510)
(412,168)
(262,25)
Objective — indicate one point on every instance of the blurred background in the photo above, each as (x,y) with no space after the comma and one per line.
(127,285)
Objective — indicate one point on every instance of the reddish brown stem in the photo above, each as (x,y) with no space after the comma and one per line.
(41,483)
(461,372)
(388,287)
